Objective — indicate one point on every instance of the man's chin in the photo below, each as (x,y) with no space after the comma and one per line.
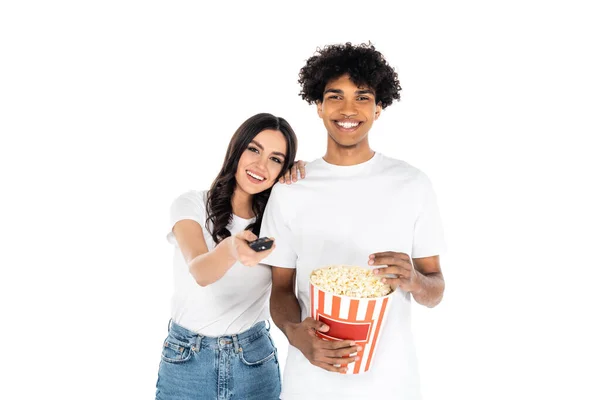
(346,143)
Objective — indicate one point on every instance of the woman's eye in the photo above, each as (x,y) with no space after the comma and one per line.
(277,160)
(253,149)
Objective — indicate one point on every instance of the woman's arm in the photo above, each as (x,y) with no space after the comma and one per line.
(207,266)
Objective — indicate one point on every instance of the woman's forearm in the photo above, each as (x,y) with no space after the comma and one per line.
(209,267)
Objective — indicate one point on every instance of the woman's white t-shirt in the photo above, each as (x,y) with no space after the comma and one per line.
(230,305)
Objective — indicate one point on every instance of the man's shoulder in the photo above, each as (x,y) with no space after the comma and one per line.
(400,168)
(313,172)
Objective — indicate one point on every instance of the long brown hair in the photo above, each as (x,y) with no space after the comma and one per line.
(219,212)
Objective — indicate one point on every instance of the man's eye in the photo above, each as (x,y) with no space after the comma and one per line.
(334,97)
(363,98)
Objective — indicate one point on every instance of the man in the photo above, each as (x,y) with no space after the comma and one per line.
(355,207)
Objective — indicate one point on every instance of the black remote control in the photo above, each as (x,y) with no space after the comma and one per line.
(261,244)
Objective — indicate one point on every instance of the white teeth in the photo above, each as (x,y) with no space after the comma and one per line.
(348,125)
(260,178)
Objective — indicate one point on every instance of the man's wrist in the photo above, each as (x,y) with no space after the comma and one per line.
(418,286)
(289,329)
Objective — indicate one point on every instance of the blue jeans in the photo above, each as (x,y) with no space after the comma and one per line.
(242,366)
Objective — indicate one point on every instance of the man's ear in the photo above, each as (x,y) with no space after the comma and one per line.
(378,109)
(319,108)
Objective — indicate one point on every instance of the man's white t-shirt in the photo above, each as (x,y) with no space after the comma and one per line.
(230,305)
(341,215)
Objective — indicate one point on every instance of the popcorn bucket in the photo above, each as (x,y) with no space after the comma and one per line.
(351,318)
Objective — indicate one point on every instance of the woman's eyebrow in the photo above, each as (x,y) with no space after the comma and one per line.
(260,146)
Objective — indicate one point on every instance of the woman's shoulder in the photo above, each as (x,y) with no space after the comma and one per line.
(191,200)
(193,195)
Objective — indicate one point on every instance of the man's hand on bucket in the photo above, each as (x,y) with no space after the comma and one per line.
(331,355)
(399,269)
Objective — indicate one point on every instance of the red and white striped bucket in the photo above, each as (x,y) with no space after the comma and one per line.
(351,318)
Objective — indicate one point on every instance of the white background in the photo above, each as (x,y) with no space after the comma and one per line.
(109,110)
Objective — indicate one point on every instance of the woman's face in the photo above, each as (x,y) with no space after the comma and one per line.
(261,162)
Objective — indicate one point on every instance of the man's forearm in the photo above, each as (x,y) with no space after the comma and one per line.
(431,289)
(285,310)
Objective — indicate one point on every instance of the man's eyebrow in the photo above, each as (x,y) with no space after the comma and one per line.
(358,92)
(365,91)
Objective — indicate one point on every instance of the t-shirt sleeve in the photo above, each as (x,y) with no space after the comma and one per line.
(189,205)
(275,225)
(428,238)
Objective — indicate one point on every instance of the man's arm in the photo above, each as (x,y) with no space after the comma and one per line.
(285,308)
(285,311)
(430,286)
(422,277)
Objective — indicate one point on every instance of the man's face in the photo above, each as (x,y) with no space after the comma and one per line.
(348,111)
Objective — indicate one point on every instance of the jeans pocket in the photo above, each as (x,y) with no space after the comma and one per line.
(175,351)
(258,351)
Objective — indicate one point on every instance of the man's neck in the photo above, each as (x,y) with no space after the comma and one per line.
(345,156)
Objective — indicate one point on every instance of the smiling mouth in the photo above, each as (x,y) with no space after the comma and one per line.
(347,125)
(255,176)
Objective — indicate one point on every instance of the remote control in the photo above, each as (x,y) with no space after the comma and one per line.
(261,244)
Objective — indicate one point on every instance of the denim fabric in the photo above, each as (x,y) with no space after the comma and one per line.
(242,366)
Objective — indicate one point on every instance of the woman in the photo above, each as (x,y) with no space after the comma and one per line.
(218,344)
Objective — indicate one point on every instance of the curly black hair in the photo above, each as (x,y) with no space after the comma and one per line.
(365,66)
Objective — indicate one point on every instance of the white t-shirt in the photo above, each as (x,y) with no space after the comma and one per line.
(341,215)
(230,305)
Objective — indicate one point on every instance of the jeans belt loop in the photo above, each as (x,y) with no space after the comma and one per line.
(198,344)
(236,345)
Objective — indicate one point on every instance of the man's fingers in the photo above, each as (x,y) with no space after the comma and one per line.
(329,367)
(341,360)
(382,260)
(389,260)
(316,325)
(338,344)
(392,254)
(393,271)
(382,254)
(339,353)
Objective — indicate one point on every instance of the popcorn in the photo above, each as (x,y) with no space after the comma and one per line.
(349,281)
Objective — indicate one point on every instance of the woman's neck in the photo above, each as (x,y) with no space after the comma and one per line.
(241,204)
